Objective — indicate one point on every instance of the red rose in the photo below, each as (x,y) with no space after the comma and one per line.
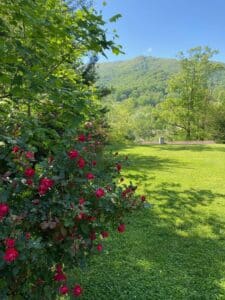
(77,290)
(11,254)
(81,138)
(100,193)
(94,163)
(47,182)
(81,216)
(45,185)
(4,209)
(29,155)
(99,247)
(15,149)
(90,176)
(10,243)
(143,198)
(42,190)
(81,201)
(29,172)
(119,167)
(121,228)
(73,154)
(105,234)
(81,163)
(60,276)
(29,181)
(63,290)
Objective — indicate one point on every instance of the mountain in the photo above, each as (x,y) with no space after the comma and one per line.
(143,79)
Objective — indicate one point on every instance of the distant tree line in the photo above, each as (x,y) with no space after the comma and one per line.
(182,99)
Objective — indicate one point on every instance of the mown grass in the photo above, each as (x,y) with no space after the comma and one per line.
(176,249)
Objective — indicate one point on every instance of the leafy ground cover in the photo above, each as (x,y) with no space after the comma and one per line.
(176,249)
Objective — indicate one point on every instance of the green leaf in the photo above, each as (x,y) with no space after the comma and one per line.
(115,18)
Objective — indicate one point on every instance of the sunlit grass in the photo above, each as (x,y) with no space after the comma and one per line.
(175,250)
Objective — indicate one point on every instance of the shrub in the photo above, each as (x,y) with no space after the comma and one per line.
(55,211)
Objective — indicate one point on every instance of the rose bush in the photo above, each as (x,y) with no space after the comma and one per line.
(55,212)
(59,191)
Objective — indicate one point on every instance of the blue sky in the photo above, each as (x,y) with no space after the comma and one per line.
(162,28)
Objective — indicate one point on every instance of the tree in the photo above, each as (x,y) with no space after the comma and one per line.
(58,188)
(187,107)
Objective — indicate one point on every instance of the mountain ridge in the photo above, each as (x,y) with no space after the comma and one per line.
(142,79)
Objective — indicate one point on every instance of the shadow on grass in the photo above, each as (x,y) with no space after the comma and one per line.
(140,167)
(172,251)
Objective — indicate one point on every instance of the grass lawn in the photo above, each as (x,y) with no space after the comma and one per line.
(176,249)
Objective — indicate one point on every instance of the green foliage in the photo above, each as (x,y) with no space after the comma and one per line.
(218,123)
(142,79)
(137,86)
(152,97)
(42,81)
(59,190)
(188,104)
(64,202)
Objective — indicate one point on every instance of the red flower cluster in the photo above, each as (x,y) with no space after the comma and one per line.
(9,243)
(100,193)
(29,155)
(15,149)
(45,185)
(4,209)
(73,154)
(81,163)
(63,290)
(11,253)
(77,290)
(59,275)
(29,181)
(90,176)
(81,201)
(121,228)
(127,192)
(29,172)
(99,247)
(81,138)
(105,234)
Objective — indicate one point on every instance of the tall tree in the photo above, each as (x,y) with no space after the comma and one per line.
(187,106)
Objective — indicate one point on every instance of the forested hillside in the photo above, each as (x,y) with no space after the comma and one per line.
(139,86)
(143,79)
